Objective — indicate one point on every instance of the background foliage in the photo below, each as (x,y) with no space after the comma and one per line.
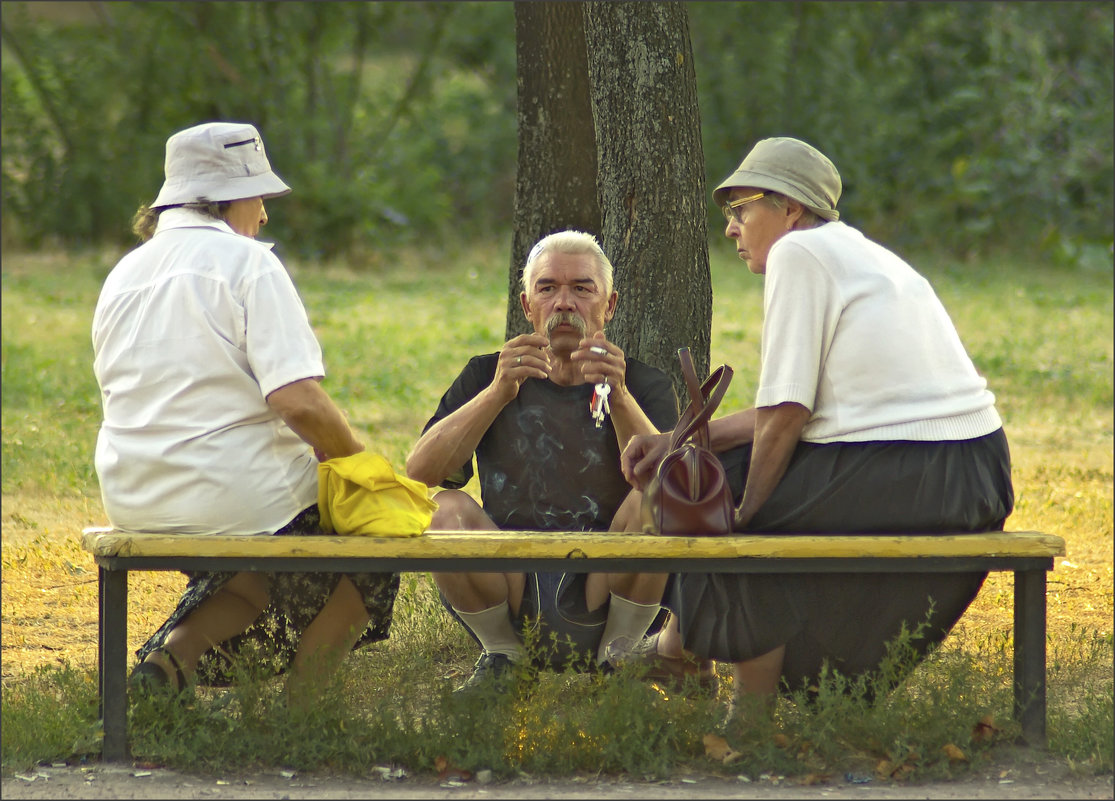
(957,126)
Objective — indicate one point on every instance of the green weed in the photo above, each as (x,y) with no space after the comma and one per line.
(948,714)
(49,714)
(1081,716)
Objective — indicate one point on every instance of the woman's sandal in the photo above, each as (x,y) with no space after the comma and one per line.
(151,677)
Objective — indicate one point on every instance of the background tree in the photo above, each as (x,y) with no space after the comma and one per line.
(555,179)
(652,179)
(648,163)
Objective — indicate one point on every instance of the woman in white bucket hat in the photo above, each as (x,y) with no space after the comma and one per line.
(215,421)
(869,416)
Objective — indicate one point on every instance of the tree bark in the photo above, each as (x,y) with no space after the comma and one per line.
(610,143)
(555,185)
(651,180)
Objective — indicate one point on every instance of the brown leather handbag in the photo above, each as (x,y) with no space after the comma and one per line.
(689,493)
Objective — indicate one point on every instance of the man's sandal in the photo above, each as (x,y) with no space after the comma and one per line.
(151,677)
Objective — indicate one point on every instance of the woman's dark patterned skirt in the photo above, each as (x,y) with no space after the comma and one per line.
(270,643)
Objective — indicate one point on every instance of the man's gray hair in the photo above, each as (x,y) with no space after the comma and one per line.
(572,243)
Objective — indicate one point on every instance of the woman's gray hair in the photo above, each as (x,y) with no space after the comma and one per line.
(572,243)
(808,218)
(146,219)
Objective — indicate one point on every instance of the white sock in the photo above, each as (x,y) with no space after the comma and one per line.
(492,626)
(625,619)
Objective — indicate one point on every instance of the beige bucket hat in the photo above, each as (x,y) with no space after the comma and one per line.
(217,161)
(792,168)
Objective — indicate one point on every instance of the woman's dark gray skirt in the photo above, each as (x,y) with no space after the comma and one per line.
(847,619)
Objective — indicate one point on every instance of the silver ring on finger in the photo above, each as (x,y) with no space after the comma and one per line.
(518,360)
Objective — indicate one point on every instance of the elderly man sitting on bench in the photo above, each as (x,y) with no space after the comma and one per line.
(547,417)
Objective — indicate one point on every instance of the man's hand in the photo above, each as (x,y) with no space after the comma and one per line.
(601,361)
(451,441)
(522,357)
(640,458)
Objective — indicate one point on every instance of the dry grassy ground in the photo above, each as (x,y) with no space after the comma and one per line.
(1061,448)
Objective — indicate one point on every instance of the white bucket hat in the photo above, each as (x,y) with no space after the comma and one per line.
(792,168)
(217,161)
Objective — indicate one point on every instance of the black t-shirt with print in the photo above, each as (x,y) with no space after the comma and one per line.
(543,464)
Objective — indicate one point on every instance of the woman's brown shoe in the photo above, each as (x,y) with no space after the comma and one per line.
(679,673)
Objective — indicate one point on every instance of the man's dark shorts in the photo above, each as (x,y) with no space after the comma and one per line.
(555,624)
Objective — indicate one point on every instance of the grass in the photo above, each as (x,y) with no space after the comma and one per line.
(394,336)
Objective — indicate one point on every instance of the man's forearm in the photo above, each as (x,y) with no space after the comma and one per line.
(451,441)
(629,420)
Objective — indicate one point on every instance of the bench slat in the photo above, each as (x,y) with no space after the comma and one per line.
(592,545)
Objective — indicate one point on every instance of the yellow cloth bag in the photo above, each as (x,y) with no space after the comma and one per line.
(362,494)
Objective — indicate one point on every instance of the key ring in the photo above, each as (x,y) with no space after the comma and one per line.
(598,406)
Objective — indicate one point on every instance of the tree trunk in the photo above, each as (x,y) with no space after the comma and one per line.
(651,180)
(555,186)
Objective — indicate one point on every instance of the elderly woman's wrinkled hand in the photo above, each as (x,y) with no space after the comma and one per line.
(641,457)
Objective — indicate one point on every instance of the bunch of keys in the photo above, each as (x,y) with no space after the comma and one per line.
(599,403)
(598,406)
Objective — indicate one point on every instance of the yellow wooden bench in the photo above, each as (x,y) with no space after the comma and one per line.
(1028,554)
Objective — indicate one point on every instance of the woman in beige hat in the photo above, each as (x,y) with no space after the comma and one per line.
(869,416)
(214,419)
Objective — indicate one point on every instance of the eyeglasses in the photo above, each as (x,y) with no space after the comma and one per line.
(732,210)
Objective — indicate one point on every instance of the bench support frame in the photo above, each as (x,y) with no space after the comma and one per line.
(1029,654)
(112,661)
(1029,606)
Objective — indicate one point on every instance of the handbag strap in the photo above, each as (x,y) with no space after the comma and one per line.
(689,372)
(706,399)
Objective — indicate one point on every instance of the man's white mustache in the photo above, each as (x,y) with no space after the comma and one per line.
(566,318)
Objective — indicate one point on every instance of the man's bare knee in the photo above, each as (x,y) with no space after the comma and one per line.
(459,511)
(628,516)
(475,592)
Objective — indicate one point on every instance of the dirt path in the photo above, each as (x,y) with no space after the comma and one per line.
(1015,773)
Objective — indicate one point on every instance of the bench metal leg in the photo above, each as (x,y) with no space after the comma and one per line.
(1029,655)
(112,665)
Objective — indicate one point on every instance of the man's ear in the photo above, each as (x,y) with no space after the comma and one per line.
(610,311)
(525,304)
